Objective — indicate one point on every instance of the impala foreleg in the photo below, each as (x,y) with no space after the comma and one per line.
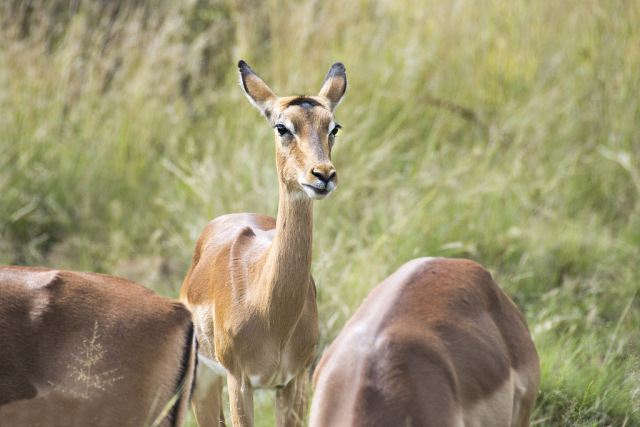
(241,399)
(292,402)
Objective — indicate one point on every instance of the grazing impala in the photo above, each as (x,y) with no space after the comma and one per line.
(249,287)
(437,343)
(85,349)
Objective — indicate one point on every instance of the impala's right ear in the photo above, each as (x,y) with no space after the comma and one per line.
(257,91)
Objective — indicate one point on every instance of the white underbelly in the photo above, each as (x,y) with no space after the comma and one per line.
(277,379)
(214,365)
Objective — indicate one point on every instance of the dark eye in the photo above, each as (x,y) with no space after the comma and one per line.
(282,130)
(335,130)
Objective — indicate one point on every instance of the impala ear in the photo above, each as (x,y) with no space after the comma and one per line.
(334,85)
(257,91)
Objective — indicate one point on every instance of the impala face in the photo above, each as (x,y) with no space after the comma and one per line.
(305,131)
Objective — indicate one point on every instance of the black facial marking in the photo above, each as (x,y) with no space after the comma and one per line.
(304,102)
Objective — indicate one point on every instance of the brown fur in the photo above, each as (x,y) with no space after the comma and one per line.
(249,286)
(435,344)
(143,349)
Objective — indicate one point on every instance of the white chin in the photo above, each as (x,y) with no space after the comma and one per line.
(315,194)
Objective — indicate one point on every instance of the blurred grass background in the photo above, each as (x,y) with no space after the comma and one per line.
(507,132)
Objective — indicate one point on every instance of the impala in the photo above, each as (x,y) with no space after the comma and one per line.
(81,349)
(437,343)
(249,287)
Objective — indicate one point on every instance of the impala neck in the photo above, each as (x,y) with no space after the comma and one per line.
(287,269)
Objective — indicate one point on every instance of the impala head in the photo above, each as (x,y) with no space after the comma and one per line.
(305,131)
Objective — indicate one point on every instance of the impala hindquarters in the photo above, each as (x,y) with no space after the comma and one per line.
(437,343)
(89,349)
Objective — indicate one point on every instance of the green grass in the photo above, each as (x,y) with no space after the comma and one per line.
(502,131)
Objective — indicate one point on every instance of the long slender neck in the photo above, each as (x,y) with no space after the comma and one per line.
(287,269)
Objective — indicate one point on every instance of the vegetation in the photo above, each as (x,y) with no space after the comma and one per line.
(507,132)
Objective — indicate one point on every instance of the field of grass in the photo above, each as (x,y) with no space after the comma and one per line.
(507,132)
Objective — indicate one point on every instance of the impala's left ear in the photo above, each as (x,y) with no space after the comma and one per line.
(334,85)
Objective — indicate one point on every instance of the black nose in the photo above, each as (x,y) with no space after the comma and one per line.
(323,176)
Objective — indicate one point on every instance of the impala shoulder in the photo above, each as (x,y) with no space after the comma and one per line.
(242,239)
(442,275)
(26,291)
(235,221)
(448,265)
(29,277)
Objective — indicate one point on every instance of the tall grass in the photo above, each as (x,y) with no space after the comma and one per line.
(502,131)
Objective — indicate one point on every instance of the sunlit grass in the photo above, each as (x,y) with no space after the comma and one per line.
(506,132)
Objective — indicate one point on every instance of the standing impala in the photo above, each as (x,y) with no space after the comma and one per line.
(249,287)
(436,344)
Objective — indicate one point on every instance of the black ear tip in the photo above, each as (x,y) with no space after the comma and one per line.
(244,67)
(338,68)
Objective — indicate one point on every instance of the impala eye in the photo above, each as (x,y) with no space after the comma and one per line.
(282,130)
(335,130)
